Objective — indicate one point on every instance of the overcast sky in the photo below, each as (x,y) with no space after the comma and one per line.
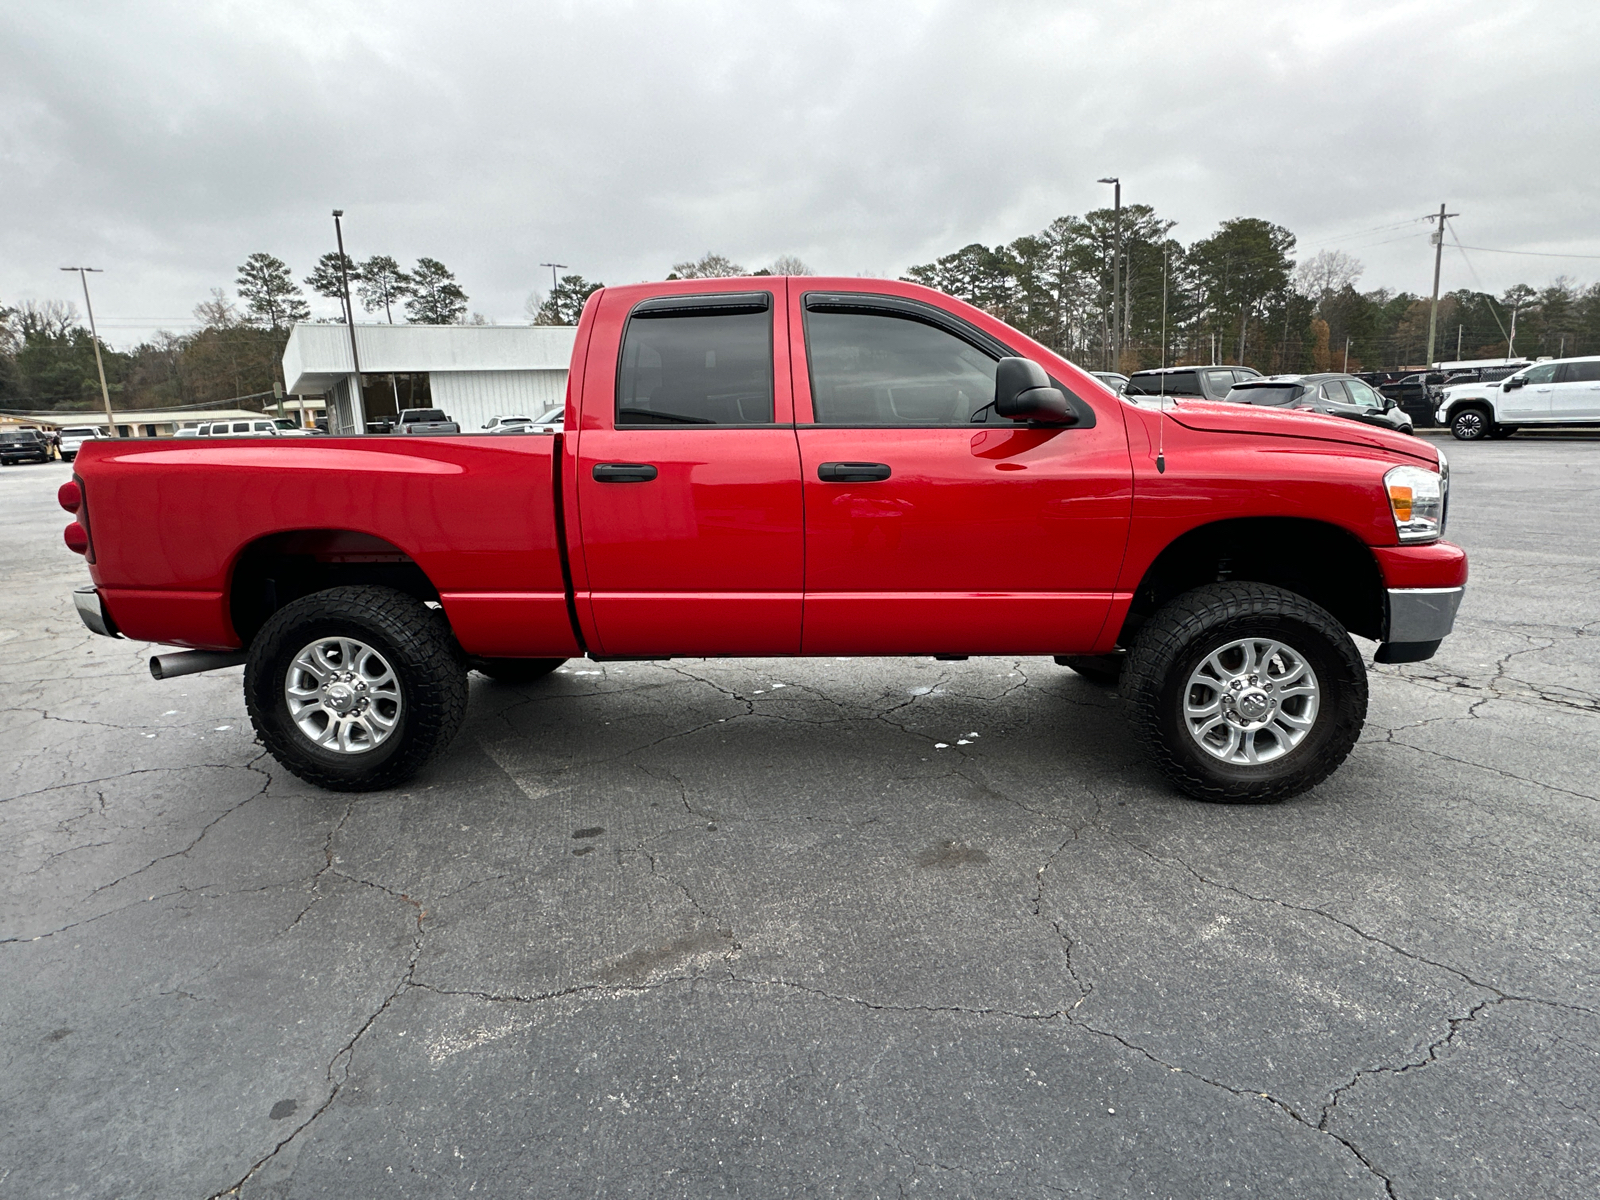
(164,142)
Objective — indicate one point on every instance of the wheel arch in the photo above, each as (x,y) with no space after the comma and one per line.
(274,570)
(1323,562)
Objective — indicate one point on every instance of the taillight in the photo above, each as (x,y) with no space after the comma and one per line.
(70,496)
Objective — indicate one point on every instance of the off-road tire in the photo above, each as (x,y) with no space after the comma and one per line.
(1173,643)
(418,644)
(1470,424)
(1103,670)
(517,670)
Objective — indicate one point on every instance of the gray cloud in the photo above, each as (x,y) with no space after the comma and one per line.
(165,142)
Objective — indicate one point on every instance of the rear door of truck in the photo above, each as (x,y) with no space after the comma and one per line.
(689,537)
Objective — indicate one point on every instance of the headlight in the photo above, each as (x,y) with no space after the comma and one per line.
(1417,500)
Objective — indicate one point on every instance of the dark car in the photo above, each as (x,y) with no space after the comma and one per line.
(23,445)
(1336,394)
(1199,383)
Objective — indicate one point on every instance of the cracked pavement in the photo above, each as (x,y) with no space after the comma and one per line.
(744,927)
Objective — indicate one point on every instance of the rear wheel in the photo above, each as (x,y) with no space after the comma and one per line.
(518,670)
(1245,693)
(355,688)
(1470,425)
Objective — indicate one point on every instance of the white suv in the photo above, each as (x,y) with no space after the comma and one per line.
(1555,392)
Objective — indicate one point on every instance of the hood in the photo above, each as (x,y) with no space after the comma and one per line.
(1209,416)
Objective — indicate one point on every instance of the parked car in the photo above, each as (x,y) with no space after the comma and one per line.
(1562,391)
(74,436)
(1417,393)
(1114,380)
(549,421)
(255,427)
(925,481)
(1201,383)
(503,424)
(188,431)
(23,445)
(1337,395)
(425,420)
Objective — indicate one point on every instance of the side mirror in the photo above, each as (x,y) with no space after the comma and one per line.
(1513,383)
(1022,392)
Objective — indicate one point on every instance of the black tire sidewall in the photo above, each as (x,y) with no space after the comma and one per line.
(1334,700)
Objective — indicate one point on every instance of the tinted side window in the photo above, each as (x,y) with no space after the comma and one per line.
(1543,373)
(1333,389)
(871,369)
(1581,372)
(696,369)
(1362,394)
(1220,381)
(1174,383)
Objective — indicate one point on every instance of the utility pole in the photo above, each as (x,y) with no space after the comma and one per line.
(358,414)
(1459,328)
(1116,262)
(94,336)
(1438,255)
(1346,367)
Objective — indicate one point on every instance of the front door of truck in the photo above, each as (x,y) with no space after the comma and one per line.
(688,477)
(1531,401)
(928,532)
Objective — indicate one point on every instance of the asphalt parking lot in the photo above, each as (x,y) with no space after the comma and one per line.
(812,928)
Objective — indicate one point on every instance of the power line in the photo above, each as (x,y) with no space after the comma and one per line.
(1528,253)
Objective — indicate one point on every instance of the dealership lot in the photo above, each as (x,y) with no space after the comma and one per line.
(838,927)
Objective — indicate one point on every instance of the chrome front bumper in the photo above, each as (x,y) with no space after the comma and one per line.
(1418,620)
(93,613)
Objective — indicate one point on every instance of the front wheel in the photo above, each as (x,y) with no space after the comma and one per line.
(1245,693)
(355,688)
(1470,425)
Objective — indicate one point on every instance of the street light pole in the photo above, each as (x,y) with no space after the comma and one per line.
(94,336)
(1116,262)
(552,266)
(358,413)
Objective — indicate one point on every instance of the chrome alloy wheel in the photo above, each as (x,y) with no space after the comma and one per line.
(343,695)
(1251,701)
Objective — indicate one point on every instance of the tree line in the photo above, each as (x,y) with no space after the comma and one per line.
(47,354)
(1235,296)
(1238,296)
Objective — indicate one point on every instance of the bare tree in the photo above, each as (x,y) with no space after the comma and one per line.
(710,266)
(218,312)
(789,264)
(1327,272)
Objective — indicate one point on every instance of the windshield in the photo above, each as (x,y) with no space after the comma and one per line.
(77,433)
(1272,393)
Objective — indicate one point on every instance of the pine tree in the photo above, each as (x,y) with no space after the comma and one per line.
(382,284)
(436,298)
(269,292)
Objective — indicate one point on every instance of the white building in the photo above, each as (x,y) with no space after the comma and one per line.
(473,372)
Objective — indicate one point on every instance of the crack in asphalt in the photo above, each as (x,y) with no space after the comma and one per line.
(342,1060)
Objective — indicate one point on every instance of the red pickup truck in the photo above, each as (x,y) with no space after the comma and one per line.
(791,466)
